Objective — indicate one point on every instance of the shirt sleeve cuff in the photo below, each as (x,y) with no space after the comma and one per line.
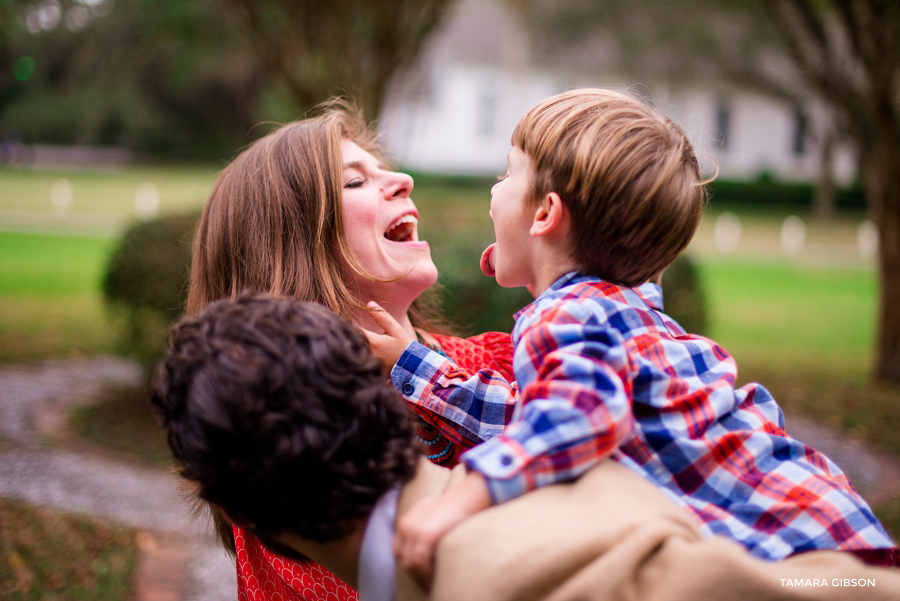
(415,370)
(502,462)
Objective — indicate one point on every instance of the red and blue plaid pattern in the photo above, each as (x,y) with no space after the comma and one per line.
(602,372)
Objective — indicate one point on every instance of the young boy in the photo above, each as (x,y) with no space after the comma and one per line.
(601,195)
(278,412)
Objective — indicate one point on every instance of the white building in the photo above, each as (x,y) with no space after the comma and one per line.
(456,111)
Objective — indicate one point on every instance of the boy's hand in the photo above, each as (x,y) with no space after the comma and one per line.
(388,346)
(421,528)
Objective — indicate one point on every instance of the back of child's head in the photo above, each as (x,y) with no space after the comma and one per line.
(280,414)
(627,174)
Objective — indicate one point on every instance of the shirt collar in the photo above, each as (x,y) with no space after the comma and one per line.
(651,294)
(376,557)
(648,293)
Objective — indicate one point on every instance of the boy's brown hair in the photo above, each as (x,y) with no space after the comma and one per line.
(627,174)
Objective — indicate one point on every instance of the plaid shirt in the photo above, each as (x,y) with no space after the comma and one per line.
(604,373)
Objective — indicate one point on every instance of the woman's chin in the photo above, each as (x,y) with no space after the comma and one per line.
(418,281)
(422,277)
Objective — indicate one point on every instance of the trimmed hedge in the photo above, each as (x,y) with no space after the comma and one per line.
(764,191)
(146,281)
(768,192)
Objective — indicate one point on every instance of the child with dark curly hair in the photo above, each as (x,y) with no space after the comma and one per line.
(258,391)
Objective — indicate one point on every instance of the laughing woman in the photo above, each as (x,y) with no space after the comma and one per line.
(312,211)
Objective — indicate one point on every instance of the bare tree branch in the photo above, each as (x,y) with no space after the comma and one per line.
(318,49)
(827,74)
(845,9)
(814,26)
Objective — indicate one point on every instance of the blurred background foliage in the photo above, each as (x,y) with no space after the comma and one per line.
(193,79)
(156,76)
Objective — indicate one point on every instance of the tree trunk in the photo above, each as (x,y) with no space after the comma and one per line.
(824,202)
(882,185)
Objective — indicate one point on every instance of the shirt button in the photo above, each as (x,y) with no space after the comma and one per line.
(506,460)
(407,389)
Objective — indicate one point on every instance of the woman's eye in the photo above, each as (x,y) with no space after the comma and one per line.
(355,183)
(500,178)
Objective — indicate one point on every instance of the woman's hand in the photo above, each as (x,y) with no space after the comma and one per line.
(421,528)
(388,346)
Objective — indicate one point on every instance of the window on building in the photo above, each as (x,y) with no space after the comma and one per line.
(487,112)
(723,124)
(801,131)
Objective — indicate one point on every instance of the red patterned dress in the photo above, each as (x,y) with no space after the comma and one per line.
(266,576)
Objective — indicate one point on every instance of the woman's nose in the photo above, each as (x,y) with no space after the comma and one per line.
(398,185)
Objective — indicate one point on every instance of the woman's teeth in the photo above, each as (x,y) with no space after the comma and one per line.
(402,230)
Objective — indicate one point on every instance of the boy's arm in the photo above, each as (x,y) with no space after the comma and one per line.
(421,528)
(574,410)
(477,406)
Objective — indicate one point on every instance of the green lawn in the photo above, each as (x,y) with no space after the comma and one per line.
(51,266)
(108,191)
(793,317)
(807,334)
(102,201)
(50,303)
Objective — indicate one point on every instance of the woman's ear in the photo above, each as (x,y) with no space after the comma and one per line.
(550,217)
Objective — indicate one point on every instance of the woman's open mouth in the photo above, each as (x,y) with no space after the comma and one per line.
(402,230)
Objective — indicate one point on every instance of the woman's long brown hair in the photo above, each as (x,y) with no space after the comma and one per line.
(273,223)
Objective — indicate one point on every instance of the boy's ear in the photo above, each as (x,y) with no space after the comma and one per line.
(551,215)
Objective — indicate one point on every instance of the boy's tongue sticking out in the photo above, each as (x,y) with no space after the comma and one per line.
(487,261)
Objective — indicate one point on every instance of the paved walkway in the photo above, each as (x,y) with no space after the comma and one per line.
(180,561)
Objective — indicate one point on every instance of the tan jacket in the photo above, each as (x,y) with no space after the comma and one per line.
(611,535)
